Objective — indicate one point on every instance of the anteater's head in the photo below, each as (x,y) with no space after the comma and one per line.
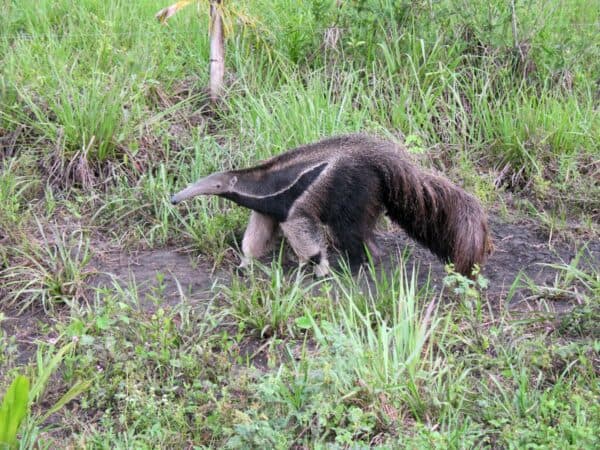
(215,184)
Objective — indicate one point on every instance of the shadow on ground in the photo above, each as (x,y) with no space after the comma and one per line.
(519,268)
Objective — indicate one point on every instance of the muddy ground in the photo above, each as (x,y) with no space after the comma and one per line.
(519,262)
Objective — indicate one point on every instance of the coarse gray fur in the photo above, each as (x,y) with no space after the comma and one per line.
(333,191)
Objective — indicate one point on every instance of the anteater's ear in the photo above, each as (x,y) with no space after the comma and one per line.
(233,181)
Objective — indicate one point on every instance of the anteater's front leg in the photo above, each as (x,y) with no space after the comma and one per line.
(258,237)
(307,239)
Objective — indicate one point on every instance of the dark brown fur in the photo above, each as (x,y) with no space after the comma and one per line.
(348,182)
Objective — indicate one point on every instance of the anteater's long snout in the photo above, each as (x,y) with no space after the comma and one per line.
(212,184)
(188,192)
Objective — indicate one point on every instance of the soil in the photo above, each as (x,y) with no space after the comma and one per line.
(167,273)
(518,271)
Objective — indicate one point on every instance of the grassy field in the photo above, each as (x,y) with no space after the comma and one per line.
(103,114)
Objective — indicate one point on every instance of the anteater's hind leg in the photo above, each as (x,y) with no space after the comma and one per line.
(354,234)
(306,237)
(369,226)
(258,237)
(373,248)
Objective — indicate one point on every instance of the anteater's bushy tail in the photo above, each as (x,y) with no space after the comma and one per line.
(438,214)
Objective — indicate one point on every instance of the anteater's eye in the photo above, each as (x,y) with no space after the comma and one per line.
(218,185)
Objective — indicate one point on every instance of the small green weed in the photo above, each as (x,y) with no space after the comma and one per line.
(13,411)
(267,300)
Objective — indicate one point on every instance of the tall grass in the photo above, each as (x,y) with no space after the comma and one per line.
(84,80)
(388,345)
(82,73)
(79,76)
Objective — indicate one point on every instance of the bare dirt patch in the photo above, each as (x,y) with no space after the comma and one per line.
(166,274)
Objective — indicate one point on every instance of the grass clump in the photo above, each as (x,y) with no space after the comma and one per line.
(382,327)
(267,301)
(51,271)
